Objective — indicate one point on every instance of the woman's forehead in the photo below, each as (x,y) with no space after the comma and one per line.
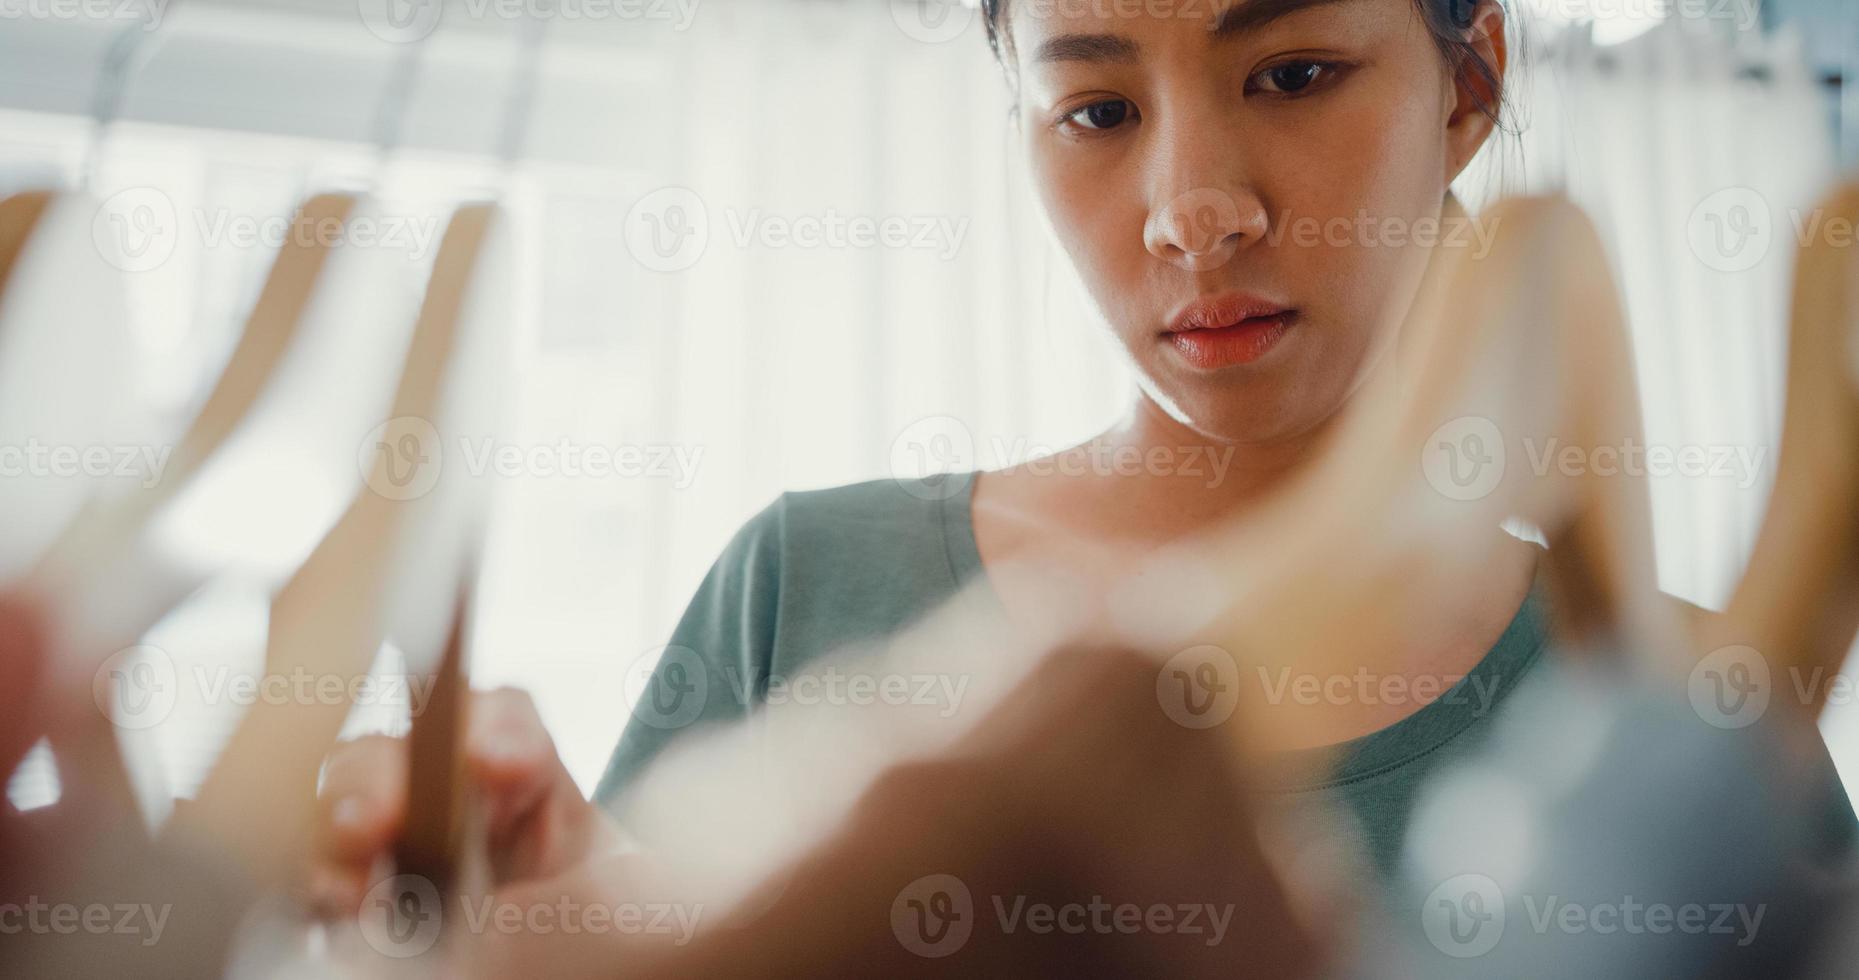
(1057,31)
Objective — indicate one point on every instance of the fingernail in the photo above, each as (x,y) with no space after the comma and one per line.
(349,813)
(511,749)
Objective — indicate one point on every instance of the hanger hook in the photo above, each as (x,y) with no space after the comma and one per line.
(129,51)
(521,102)
(390,120)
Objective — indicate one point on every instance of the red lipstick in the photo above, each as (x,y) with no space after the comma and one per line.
(1231,328)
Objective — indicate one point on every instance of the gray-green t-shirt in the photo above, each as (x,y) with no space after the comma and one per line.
(821,571)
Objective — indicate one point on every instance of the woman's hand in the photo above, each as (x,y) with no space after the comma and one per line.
(538,825)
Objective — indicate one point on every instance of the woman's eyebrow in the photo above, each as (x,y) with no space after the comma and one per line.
(1111,48)
(1244,18)
(1240,18)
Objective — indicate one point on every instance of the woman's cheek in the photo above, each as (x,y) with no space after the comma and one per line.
(1103,239)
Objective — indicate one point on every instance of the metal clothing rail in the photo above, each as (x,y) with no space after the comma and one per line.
(280,71)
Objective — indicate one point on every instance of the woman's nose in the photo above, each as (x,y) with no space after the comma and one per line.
(1202,229)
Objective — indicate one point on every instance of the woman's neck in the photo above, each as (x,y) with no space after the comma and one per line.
(1190,480)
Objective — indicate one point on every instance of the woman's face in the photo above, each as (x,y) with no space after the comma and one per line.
(1206,163)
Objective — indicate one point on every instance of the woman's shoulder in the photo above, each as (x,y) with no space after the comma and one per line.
(885,500)
(873,517)
(882,547)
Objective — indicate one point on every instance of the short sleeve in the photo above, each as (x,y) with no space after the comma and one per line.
(718,657)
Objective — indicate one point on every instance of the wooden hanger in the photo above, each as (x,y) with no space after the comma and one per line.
(1797,604)
(328,620)
(115,522)
(65,362)
(331,617)
(19,216)
(1523,346)
(22,645)
(440,831)
(99,587)
(64,617)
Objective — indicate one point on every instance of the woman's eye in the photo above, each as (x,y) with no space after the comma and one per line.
(1108,114)
(1291,78)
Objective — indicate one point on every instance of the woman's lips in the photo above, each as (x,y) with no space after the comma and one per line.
(1243,342)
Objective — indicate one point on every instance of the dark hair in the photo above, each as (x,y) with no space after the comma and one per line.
(1447,20)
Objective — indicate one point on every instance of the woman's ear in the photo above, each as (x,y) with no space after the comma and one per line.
(1476,97)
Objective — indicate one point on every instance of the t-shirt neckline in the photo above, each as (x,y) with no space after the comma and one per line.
(1425,731)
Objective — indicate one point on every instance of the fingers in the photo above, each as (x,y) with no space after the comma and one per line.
(535,818)
(363,797)
(360,810)
(511,758)
(363,801)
